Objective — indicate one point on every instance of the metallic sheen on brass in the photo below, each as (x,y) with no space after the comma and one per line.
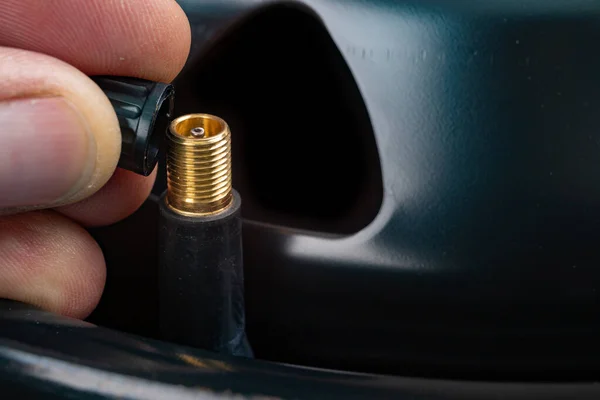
(199,166)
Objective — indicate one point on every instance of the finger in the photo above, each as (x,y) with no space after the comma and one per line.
(59,136)
(49,261)
(143,38)
(125,188)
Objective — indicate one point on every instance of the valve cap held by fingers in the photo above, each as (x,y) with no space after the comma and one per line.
(144,109)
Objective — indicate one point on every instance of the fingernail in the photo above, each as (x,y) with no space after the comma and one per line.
(45,152)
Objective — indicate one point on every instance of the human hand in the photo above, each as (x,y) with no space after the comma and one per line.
(60,138)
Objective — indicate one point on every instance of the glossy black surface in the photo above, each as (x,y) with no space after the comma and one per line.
(49,357)
(482,260)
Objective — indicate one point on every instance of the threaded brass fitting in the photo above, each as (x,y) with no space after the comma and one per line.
(199,165)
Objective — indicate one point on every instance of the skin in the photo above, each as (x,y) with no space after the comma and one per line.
(60,140)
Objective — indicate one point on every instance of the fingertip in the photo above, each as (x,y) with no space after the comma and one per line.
(139,38)
(33,76)
(50,262)
(124,193)
(176,39)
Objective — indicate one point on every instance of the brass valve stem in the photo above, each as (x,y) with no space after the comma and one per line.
(201,266)
(199,165)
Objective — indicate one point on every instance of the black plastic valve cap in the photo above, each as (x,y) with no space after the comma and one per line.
(144,109)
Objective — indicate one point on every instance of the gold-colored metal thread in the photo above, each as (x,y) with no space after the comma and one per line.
(199,165)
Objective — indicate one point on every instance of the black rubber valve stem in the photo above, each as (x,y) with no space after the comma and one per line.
(201,274)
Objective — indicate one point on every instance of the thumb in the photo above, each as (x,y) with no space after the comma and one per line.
(59,136)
